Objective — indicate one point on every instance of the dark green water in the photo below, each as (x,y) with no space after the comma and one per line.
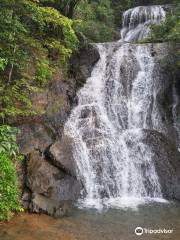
(91,225)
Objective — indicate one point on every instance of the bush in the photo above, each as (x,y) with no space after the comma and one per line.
(9,190)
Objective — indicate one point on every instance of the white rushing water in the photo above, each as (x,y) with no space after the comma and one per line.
(115,106)
(137,21)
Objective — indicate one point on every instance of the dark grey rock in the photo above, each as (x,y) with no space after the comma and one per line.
(34,136)
(61,153)
(49,185)
(26,199)
(167,163)
(83,62)
(52,207)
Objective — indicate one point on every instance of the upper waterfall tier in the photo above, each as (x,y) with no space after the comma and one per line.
(137,21)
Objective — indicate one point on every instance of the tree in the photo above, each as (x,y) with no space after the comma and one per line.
(65,7)
(97,20)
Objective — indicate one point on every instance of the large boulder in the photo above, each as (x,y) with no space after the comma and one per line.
(61,154)
(34,136)
(51,188)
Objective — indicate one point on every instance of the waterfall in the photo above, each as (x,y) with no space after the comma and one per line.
(137,21)
(115,108)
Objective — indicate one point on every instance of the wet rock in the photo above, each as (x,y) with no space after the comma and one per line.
(34,136)
(61,153)
(21,172)
(164,93)
(49,185)
(26,199)
(83,62)
(167,163)
(53,207)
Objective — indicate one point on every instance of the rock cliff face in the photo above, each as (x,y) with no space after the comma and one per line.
(47,176)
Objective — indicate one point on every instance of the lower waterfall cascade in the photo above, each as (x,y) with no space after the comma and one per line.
(116,106)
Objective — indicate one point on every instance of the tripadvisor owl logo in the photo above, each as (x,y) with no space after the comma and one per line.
(139,231)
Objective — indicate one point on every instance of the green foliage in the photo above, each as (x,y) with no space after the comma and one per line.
(3,63)
(44,72)
(168,31)
(9,190)
(34,41)
(8,144)
(97,20)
